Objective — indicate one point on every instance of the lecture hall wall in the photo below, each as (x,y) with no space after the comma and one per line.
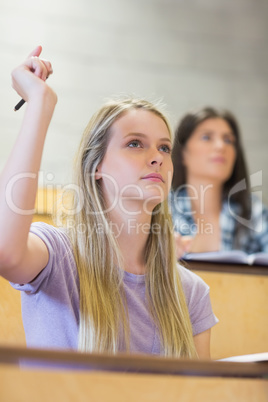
(186,53)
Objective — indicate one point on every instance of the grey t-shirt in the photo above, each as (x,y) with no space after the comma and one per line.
(50,303)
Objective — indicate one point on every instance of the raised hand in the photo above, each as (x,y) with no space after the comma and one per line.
(29,77)
(22,256)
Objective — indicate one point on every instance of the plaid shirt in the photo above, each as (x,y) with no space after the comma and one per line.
(250,236)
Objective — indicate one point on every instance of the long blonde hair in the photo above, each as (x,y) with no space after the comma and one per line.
(103,307)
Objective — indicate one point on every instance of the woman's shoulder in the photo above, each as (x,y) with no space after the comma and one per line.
(49,232)
(180,192)
(56,240)
(61,265)
(198,300)
(257,205)
(193,285)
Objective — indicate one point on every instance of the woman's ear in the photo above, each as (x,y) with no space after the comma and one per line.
(98,173)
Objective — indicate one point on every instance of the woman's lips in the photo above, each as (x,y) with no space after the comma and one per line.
(153,177)
(218,159)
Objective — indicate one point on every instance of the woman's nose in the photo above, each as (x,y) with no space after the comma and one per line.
(155,158)
(220,143)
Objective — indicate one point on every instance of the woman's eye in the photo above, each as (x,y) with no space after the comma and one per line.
(205,137)
(165,148)
(134,144)
(229,140)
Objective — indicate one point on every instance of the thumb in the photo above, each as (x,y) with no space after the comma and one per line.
(36,52)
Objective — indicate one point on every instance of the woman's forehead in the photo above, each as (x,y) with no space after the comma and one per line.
(140,121)
(215,122)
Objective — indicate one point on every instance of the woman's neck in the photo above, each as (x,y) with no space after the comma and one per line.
(205,196)
(131,232)
(206,199)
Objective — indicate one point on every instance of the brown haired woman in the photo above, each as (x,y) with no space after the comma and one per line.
(211,203)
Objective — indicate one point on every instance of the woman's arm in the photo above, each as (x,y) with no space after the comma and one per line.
(23,255)
(202,344)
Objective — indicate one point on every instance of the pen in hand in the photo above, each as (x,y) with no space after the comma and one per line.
(19,105)
(21,102)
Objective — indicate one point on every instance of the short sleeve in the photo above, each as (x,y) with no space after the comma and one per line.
(50,303)
(198,300)
(57,244)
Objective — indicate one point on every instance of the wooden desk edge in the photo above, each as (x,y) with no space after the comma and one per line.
(131,363)
(227,268)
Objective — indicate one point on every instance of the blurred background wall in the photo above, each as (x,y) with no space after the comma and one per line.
(188,53)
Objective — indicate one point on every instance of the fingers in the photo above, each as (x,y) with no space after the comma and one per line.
(187,242)
(183,244)
(40,67)
(48,67)
(25,78)
(36,52)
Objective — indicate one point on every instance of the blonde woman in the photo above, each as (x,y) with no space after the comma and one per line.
(109,281)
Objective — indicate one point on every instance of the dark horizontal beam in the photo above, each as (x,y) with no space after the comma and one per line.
(224,267)
(147,364)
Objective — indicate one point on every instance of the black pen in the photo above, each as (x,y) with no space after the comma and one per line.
(19,105)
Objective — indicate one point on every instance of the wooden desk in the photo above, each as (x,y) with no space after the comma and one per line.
(240,301)
(137,377)
(146,364)
(226,268)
